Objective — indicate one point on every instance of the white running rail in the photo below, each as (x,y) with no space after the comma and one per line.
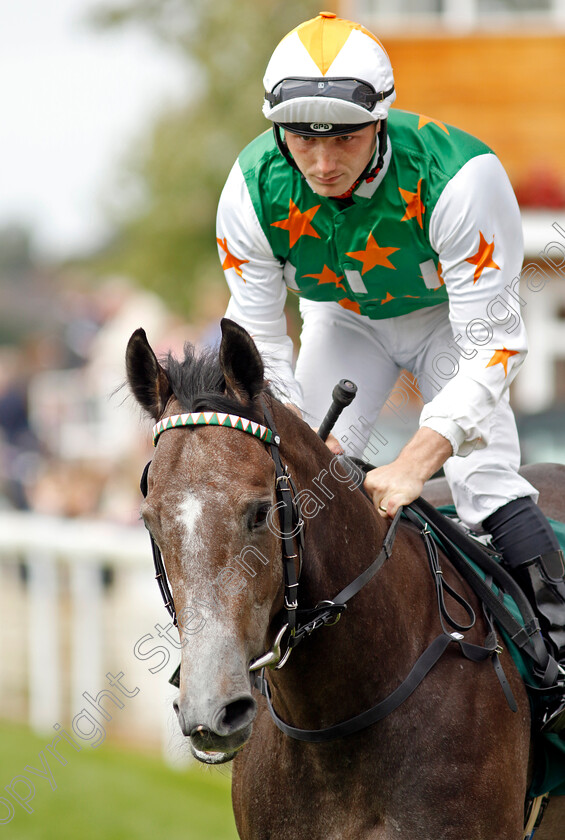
(76,596)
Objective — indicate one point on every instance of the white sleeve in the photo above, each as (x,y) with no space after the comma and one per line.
(475,228)
(256,281)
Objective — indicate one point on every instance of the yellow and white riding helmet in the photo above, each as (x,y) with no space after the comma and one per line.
(328,76)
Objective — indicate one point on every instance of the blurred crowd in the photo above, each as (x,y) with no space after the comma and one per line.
(72,443)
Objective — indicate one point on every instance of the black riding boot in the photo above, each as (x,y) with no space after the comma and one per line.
(531,552)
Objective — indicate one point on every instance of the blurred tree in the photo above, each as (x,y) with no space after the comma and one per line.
(16,250)
(166,225)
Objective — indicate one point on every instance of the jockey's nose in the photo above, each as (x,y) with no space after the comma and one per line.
(325,159)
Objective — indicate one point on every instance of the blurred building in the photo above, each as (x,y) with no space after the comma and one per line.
(494,68)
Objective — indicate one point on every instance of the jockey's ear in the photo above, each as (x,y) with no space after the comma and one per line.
(148,381)
(240,361)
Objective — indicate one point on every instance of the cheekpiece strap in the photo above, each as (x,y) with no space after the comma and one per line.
(214,418)
(291,526)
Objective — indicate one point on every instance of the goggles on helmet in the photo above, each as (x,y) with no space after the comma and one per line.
(350,90)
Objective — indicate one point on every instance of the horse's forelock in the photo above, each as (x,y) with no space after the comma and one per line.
(198,384)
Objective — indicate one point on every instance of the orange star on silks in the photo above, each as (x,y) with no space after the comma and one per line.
(298,223)
(373,255)
(350,304)
(483,258)
(425,120)
(501,358)
(389,297)
(328,276)
(414,205)
(231,261)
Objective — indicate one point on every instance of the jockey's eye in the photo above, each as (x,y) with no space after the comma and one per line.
(258,514)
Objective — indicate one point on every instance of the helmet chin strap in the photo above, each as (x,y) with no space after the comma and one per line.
(372,171)
(283,148)
(381,145)
(368,172)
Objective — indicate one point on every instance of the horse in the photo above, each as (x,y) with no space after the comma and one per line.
(452,761)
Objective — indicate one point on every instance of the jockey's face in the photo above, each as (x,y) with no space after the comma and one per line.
(332,164)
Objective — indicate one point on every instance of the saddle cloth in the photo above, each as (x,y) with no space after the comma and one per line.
(549,757)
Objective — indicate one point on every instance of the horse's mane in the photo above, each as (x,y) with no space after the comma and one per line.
(198,384)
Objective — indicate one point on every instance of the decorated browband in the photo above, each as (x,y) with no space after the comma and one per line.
(213,418)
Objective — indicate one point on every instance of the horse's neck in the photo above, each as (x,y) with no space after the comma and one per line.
(343,535)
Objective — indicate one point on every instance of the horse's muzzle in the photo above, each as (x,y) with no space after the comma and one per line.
(227,731)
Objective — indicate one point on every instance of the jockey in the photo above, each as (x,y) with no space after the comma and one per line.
(401,236)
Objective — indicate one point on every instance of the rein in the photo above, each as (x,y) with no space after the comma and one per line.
(423,665)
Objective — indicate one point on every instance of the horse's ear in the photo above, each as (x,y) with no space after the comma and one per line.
(240,361)
(148,381)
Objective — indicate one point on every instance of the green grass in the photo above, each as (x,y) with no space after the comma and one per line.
(111,794)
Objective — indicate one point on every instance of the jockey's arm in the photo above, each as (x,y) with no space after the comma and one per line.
(476,230)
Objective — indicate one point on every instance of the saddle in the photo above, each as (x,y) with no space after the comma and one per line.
(513,615)
(481,568)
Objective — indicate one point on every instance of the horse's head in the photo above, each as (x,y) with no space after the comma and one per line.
(209,493)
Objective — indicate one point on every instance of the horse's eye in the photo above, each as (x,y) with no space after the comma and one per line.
(258,516)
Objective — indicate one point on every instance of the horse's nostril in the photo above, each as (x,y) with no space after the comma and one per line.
(236,715)
(200,732)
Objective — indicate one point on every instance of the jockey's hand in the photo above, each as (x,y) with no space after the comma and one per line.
(402,481)
(333,444)
(391,486)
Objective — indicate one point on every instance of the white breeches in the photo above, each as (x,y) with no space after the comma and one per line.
(338,344)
